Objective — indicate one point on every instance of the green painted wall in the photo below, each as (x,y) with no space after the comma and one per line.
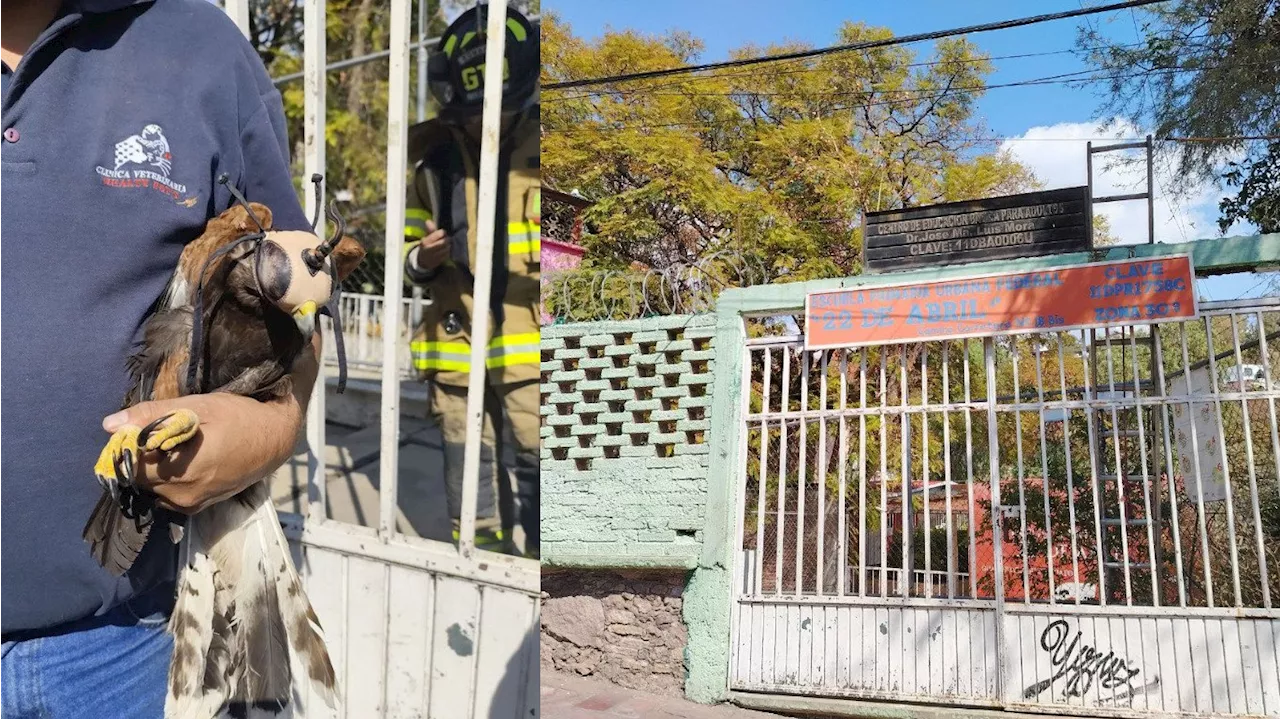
(625,410)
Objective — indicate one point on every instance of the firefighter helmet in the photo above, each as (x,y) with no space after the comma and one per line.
(456,70)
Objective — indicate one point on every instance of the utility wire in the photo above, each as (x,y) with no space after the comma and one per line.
(865,45)
(651,89)
(905,96)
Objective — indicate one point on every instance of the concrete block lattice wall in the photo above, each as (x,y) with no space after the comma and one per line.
(625,421)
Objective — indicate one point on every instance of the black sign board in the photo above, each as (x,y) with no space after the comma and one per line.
(997,228)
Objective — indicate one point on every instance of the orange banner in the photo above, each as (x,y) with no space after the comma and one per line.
(1120,292)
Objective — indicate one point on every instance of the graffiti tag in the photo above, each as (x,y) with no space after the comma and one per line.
(1080,665)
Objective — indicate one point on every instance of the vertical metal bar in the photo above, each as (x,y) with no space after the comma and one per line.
(1022,480)
(1226,465)
(884,472)
(968,463)
(924,474)
(862,473)
(844,465)
(1091,350)
(1044,471)
(946,468)
(997,518)
(904,579)
(1088,206)
(1073,528)
(801,470)
(1195,464)
(763,477)
(422,60)
(1254,496)
(1151,198)
(367,307)
(397,160)
(1120,476)
(1169,467)
(238,11)
(415,303)
(486,216)
(822,475)
(783,450)
(313,128)
(1271,403)
(1142,459)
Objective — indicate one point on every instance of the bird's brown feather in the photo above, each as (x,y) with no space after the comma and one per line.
(234,644)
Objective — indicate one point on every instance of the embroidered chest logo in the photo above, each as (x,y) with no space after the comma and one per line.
(144,161)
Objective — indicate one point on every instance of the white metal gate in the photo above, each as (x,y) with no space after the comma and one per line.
(415,627)
(1086,520)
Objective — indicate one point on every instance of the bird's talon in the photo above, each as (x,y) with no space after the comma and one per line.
(115,464)
(165,433)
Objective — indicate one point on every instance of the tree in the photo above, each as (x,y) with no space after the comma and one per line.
(1205,68)
(779,158)
(356,102)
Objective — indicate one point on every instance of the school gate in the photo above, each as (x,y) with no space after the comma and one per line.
(1083,521)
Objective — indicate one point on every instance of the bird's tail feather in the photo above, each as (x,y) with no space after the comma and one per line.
(258,624)
(306,636)
(194,625)
(115,540)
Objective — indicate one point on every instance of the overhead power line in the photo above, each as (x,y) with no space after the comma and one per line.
(653,89)
(864,45)
(901,97)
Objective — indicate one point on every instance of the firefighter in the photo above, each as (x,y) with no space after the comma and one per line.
(440,245)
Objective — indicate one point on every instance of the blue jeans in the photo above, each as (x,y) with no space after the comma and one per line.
(110,667)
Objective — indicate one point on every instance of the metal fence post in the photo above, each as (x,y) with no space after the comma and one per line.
(238,11)
(313,122)
(397,139)
(495,46)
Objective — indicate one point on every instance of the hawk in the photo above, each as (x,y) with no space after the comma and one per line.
(239,310)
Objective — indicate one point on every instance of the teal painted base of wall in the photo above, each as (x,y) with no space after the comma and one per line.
(706,614)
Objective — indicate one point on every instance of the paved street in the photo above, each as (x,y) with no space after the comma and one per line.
(566,696)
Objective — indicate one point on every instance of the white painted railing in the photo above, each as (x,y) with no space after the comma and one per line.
(363,324)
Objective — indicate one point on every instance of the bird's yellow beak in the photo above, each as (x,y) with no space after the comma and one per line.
(306,309)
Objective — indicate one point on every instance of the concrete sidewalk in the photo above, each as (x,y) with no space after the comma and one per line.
(353,469)
(565,696)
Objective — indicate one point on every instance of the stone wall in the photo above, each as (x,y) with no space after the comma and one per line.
(625,417)
(624,626)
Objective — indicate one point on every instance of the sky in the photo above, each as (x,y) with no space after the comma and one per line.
(1047,126)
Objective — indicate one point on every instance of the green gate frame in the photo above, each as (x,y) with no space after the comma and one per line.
(709,595)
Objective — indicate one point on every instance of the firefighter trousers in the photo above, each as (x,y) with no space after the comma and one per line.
(509,451)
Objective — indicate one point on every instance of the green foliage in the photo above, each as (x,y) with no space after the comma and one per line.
(775,161)
(1205,68)
(356,102)
(1258,200)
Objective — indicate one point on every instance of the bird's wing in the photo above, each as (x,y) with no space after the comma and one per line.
(156,372)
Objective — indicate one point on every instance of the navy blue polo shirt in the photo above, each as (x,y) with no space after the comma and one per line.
(116,126)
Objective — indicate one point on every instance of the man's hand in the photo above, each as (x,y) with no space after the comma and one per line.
(240,441)
(433,249)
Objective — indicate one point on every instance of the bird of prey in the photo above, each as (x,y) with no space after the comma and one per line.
(239,310)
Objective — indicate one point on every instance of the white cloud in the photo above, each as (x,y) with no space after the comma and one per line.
(1057,153)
